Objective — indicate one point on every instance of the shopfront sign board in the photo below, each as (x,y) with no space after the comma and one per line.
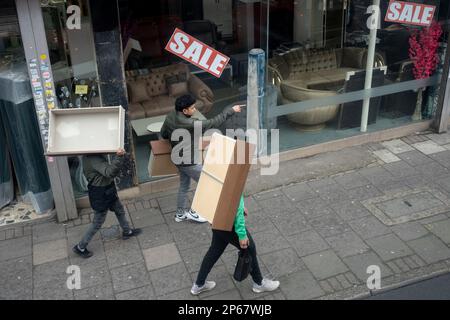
(410,13)
(196,52)
(86,130)
(222,180)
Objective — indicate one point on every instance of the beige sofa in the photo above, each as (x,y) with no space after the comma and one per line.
(311,74)
(149,95)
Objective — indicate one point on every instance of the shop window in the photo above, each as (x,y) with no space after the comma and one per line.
(229,26)
(324,59)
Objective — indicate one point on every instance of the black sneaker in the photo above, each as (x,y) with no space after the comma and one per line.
(132,233)
(85,253)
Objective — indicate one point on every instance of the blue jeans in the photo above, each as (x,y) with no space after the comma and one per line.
(186,174)
(99,219)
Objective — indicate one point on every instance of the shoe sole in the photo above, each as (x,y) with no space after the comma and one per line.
(204,290)
(180,220)
(261,291)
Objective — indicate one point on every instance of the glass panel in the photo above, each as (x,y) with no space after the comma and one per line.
(72,55)
(319,69)
(23,171)
(231,27)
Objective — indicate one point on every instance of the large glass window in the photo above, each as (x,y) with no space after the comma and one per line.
(317,60)
(230,26)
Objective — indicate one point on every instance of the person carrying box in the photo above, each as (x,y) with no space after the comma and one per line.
(180,118)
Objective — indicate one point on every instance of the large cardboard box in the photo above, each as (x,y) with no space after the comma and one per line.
(160,163)
(222,180)
(86,130)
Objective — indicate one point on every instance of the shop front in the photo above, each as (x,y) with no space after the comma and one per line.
(342,70)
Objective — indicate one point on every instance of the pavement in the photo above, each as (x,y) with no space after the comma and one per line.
(318,226)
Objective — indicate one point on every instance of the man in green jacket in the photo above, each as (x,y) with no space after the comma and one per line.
(103,197)
(181,118)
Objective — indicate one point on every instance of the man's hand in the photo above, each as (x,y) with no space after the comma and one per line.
(237,107)
(120,152)
(244,243)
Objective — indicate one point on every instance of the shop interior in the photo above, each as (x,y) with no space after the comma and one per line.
(315,49)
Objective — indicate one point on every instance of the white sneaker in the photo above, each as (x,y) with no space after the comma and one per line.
(192,215)
(180,215)
(209,285)
(266,285)
(188,215)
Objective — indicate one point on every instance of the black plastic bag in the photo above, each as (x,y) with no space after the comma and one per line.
(243,265)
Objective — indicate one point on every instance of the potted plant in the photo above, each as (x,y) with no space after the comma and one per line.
(423,49)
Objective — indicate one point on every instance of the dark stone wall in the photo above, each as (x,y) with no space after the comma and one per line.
(108,49)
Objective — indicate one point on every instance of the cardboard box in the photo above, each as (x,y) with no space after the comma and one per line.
(160,163)
(222,180)
(86,130)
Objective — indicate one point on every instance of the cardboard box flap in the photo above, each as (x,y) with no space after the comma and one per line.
(161,147)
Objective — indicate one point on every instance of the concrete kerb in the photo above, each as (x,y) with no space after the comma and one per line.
(399,285)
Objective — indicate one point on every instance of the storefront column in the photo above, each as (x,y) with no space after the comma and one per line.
(370,60)
(110,68)
(36,53)
(255,97)
(443,113)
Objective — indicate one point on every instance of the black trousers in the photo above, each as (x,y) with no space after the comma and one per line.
(219,242)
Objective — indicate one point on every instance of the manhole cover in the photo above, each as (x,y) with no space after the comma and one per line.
(408,205)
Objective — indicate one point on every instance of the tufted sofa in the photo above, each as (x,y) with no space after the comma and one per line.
(311,74)
(149,96)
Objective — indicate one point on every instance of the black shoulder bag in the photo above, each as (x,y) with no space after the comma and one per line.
(243,265)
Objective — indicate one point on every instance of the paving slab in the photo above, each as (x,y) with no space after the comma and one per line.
(441,229)
(171,279)
(16,279)
(324,264)
(415,158)
(283,262)
(143,293)
(298,192)
(430,248)
(369,227)
(15,248)
(409,231)
(300,285)
(161,256)
(48,231)
(129,277)
(289,223)
(351,180)
(397,146)
(358,264)
(329,225)
(101,292)
(389,247)
(123,252)
(227,295)
(49,251)
(347,244)
(349,210)
(386,156)
(269,241)
(428,147)
(307,242)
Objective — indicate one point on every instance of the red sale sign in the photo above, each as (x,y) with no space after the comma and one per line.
(196,52)
(410,13)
